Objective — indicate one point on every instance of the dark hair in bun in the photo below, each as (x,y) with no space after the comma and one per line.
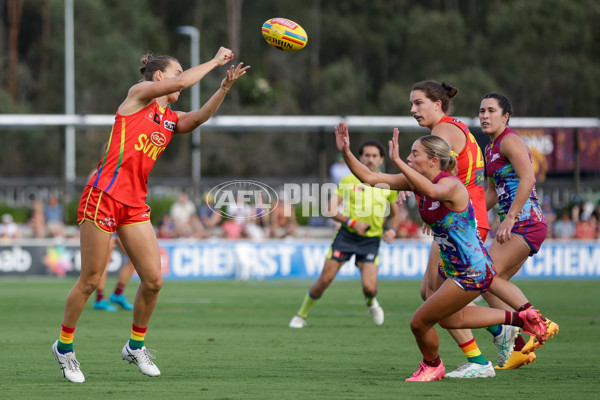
(435,91)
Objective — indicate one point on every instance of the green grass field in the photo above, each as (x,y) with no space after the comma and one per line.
(230,340)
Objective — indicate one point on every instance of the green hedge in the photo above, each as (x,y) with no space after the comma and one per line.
(20,214)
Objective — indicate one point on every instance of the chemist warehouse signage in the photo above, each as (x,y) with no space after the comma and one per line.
(284,260)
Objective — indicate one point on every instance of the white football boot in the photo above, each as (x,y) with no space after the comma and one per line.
(505,342)
(142,358)
(473,370)
(376,312)
(69,365)
(297,322)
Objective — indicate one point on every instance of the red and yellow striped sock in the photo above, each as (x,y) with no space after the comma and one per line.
(136,340)
(65,340)
(472,352)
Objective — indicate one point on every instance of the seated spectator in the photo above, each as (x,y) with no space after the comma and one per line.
(586,228)
(238,215)
(587,209)
(8,228)
(54,217)
(254,230)
(258,227)
(209,216)
(182,213)
(166,227)
(283,219)
(37,219)
(232,229)
(564,228)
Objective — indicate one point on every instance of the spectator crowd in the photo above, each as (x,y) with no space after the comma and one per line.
(237,220)
(580,221)
(185,219)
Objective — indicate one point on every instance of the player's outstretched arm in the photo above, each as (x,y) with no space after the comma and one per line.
(191,120)
(361,171)
(147,90)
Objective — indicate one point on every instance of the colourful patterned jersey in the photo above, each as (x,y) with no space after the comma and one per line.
(501,172)
(471,169)
(464,256)
(136,141)
(366,203)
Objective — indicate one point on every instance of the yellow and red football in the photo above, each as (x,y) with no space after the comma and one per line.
(284,34)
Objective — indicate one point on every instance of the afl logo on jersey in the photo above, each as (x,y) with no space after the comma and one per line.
(154,117)
(158,139)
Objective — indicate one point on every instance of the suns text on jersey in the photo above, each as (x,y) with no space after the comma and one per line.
(149,148)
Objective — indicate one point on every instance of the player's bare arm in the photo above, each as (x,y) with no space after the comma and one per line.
(191,120)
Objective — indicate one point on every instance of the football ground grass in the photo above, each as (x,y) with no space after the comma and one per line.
(230,340)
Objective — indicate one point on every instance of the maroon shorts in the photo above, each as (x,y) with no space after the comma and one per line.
(533,232)
(107,213)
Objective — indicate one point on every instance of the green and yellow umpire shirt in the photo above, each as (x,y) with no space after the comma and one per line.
(365,203)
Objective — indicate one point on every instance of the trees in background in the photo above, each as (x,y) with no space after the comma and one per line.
(362,58)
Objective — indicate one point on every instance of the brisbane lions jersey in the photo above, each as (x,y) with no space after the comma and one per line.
(462,252)
(506,180)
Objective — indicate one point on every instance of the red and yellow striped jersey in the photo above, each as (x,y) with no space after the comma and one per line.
(136,141)
(471,171)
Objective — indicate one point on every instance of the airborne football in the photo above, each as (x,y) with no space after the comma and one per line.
(284,34)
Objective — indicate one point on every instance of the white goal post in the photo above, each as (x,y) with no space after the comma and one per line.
(289,123)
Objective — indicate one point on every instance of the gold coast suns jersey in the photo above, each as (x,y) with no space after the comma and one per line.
(471,171)
(136,141)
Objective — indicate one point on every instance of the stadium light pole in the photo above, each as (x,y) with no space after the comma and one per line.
(194,35)
(69,100)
